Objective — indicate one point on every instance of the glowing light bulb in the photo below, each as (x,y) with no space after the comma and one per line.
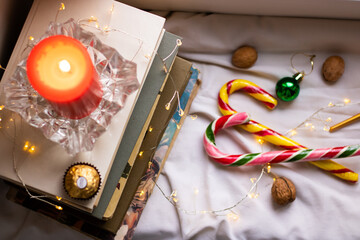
(64,66)
(141,153)
(141,193)
(58,207)
(178,42)
(58,198)
(32,149)
(330,104)
(167,106)
(308,124)
(253,180)
(328,119)
(26,146)
(193,116)
(347,100)
(150,129)
(2,107)
(326,128)
(268,168)
(253,195)
(232,216)
(106,28)
(293,132)
(260,141)
(62,7)
(31,38)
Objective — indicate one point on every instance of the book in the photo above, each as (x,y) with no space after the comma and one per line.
(138,124)
(179,78)
(156,165)
(84,222)
(43,171)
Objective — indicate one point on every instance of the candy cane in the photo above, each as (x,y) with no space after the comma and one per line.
(268,134)
(251,159)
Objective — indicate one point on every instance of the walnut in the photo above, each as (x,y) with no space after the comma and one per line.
(244,57)
(333,68)
(283,191)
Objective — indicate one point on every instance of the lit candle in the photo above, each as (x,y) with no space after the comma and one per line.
(60,69)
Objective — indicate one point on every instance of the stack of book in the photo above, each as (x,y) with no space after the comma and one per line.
(136,144)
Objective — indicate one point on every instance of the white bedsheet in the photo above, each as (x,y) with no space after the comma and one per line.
(325,207)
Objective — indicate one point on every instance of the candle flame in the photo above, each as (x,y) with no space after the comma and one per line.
(64,66)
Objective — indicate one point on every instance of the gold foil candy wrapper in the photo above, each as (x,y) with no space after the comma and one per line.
(82,181)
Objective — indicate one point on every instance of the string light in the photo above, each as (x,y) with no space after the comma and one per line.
(250,194)
(58,198)
(150,129)
(260,140)
(1,67)
(112,8)
(58,207)
(167,106)
(268,168)
(307,123)
(141,153)
(2,107)
(26,146)
(62,7)
(193,116)
(141,193)
(293,132)
(232,216)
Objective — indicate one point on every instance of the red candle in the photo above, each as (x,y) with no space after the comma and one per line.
(60,69)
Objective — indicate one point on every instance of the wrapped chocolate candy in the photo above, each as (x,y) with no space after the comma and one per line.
(82,181)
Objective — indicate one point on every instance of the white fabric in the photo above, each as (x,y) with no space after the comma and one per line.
(305,8)
(325,207)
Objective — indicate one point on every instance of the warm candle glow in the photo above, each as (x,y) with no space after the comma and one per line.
(64,66)
(60,69)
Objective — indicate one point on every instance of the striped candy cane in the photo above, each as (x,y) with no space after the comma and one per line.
(251,159)
(268,134)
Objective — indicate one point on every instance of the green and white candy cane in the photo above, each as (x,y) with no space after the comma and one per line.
(251,159)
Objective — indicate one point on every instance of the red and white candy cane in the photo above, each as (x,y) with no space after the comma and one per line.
(251,159)
(268,134)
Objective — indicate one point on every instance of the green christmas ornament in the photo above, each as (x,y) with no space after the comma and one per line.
(288,88)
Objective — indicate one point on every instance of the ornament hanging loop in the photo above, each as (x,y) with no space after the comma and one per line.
(311,58)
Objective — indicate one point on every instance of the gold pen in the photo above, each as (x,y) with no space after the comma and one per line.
(344,123)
